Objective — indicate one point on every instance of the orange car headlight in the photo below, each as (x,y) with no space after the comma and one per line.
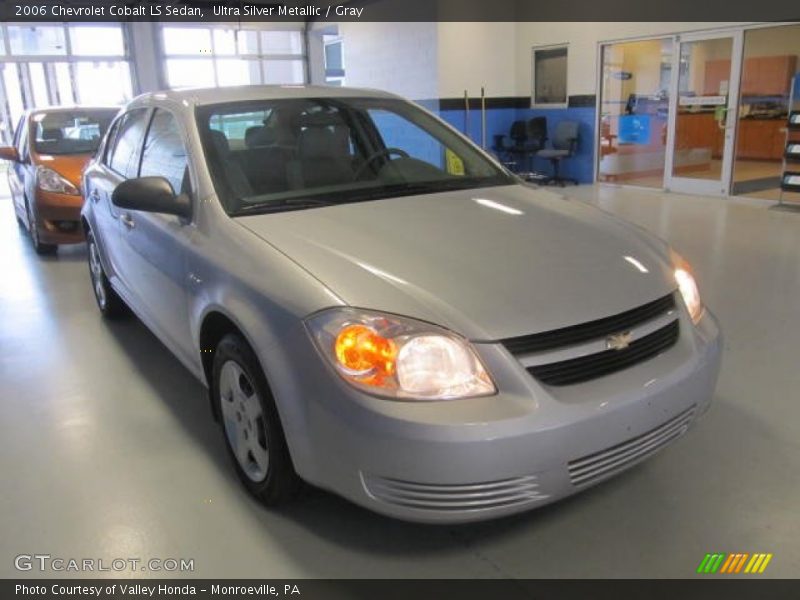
(398,357)
(687,285)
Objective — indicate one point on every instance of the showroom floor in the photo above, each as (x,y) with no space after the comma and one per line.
(107,448)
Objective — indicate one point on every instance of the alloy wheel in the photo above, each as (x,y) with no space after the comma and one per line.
(243,420)
(96,270)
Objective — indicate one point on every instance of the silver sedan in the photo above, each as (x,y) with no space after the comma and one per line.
(380,309)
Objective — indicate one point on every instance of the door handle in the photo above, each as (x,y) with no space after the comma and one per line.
(94,195)
(127,220)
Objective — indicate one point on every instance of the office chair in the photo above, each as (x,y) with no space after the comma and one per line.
(565,144)
(527,139)
(537,133)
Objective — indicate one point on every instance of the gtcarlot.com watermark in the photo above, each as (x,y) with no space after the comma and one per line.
(47,563)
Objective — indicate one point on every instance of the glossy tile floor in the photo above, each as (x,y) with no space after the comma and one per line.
(107,449)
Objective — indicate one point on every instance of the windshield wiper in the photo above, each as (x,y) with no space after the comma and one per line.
(259,209)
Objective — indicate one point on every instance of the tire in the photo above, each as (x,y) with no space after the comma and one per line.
(250,424)
(108,301)
(40,247)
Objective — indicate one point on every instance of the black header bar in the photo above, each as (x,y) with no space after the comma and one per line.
(398,10)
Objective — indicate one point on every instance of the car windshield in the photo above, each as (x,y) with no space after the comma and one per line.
(291,154)
(70,132)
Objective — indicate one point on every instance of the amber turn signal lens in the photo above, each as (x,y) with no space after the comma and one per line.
(360,349)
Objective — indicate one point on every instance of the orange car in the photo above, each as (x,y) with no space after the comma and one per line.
(51,148)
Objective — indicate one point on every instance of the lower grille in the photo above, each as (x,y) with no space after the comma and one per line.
(66,226)
(446,497)
(584,368)
(612,460)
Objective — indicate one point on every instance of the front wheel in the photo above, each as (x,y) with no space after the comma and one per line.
(253,432)
(108,301)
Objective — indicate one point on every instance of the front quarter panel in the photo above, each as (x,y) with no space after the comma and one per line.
(265,294)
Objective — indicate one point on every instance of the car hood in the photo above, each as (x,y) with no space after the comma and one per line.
(69,166)
(489,263)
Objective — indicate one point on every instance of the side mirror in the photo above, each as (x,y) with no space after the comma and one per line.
(151,194)
(9,153)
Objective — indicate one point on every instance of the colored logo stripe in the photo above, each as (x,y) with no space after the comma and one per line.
(758,563)
(734,562)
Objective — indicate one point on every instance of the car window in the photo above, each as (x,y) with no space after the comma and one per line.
(309,152)
(70,132)
(18,131)
(239,127)
(110,138)
(125,155)
(399,133)
(21,139)
(164,153)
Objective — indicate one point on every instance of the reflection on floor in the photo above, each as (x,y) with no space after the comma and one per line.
(751,179)
(107,448)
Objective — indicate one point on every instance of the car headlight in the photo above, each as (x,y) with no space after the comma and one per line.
(48,180)
(687,287)
(398,357)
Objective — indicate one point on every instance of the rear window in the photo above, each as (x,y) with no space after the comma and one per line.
(70,132)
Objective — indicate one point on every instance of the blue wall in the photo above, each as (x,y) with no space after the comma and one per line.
(580,166)
(499,120)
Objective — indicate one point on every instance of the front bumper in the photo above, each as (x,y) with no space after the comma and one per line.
(58,218)
(481,458)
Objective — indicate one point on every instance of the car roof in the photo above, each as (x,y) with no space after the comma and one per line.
(59,109)
(221,95)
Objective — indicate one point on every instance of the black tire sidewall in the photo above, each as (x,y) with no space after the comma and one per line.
(114,307)
(38,246)
(280,482)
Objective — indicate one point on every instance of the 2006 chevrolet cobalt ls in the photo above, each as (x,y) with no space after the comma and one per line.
(380,309)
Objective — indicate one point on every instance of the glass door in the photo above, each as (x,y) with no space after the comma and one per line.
(706,71)
(634,111)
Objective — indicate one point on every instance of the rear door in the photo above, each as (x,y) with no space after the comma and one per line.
(120,162)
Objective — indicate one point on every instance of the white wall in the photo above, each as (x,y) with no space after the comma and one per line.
(583,38)
(472,55)
(434,60)
(431,60)
(396,57)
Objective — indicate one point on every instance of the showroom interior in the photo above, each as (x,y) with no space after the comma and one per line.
(681,128)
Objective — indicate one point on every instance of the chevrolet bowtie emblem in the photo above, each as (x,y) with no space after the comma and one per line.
(619,341)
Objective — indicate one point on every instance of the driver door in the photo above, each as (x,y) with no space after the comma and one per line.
(156,245)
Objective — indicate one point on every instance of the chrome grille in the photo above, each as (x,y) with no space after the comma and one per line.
(592,366)
(616,458)
(590,330)
(447,497)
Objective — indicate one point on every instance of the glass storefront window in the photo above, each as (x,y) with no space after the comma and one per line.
(64,83)
(92,40)
(38,84)
(634,112)
(224,42)
(37,40)
(771,61)
(281,42)
(237,57)
(235,71)
(186,41)
(248,42)
(283,71)
(103,83)
(190,72)
(13,91)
